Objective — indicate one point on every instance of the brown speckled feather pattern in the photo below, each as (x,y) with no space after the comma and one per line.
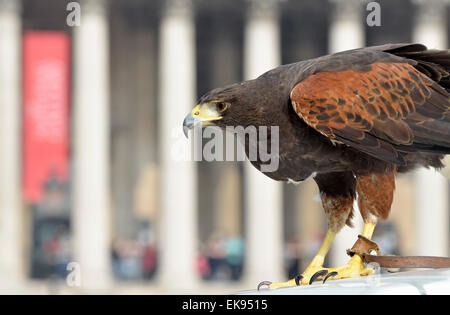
(376,111)
(375,195)
(360,101)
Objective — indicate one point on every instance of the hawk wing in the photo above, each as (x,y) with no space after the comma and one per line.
(379,105)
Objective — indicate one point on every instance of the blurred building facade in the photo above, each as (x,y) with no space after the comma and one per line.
(127,208)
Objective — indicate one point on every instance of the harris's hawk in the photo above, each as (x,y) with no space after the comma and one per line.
(352,120)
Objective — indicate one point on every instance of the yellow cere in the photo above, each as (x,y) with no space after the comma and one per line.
(206,112)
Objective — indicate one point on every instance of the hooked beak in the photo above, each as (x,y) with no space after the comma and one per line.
(202,115)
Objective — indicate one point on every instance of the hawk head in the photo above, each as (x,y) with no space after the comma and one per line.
(234,105)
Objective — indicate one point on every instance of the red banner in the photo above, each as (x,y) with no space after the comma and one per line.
(46,98)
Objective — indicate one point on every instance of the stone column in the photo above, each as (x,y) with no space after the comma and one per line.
(11,245)
(347,25)
(91,213)
(346,32)
(432,190)
(264,255)
(178,221)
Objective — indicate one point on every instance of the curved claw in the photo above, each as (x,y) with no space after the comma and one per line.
(319,273)
(262,283)
(298,279)
(331,274)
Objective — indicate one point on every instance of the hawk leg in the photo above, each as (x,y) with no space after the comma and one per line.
(375,194)
(315,271)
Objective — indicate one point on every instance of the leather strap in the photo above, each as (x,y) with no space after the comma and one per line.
(407,261)
(365,247)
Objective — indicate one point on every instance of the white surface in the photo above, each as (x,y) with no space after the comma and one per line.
(408,282)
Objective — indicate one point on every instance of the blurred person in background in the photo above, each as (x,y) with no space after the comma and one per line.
(291,260)
(234,251)
(215,252)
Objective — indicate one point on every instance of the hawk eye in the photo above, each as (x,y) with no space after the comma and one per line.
(221,107)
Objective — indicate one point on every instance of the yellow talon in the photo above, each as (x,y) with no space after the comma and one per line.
(354,268)
(276,285)
(314,267)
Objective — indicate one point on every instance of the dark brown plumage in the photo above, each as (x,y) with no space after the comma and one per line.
(352,120)
(386,107)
